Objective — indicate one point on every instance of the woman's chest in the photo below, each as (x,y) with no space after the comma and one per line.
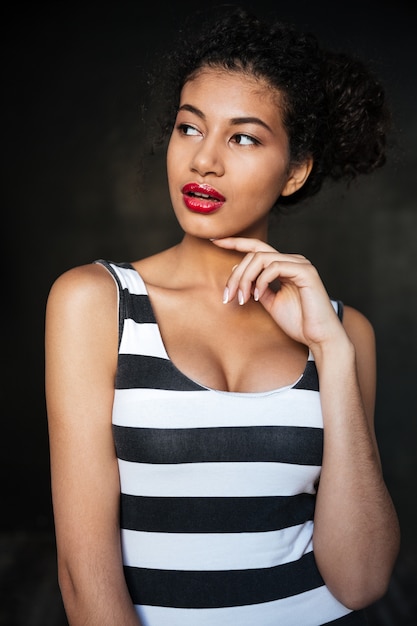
(229,348)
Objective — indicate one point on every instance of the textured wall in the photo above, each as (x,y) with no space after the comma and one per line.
(73,140)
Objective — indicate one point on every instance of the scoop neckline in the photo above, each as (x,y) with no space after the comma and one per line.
(258,394)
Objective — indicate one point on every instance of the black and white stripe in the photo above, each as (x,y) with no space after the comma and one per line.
(217,488)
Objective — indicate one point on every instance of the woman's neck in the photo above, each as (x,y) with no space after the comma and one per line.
(201,260)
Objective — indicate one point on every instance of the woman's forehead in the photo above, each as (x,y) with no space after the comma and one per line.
(238,84)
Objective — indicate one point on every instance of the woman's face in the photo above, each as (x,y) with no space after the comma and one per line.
(228,156)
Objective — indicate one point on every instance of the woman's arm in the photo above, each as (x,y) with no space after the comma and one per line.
(356,532)
(356,537)
(81,354)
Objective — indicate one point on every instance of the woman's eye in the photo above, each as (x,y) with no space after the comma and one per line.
(245,140)
(186,129)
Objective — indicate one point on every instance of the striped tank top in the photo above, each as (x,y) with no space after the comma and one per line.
(217,488)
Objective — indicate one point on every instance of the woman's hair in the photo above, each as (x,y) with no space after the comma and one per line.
(333,107)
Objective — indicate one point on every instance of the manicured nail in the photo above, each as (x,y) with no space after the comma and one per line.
(240,297)
(256,294)
(226,295)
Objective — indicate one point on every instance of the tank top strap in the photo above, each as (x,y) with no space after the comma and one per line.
(133,297)
(338,307)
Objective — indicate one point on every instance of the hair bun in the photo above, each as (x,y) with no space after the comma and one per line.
(357,118)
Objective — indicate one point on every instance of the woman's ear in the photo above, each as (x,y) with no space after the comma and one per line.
(298,176)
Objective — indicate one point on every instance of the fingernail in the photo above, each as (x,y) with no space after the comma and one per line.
(226,295)
(234,267)
(256,294)
(240,297)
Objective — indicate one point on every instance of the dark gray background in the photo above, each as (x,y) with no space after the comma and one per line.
(74,189)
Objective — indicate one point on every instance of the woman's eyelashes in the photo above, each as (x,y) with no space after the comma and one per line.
(242,139)
(187,129)
(245,140)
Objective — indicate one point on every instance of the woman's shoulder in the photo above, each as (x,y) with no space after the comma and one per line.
(361,333)
(75,291)
(357,325)
(82,281)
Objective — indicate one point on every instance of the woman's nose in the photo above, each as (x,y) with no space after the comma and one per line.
(207,159)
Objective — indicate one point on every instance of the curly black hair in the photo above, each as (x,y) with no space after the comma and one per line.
(334,109)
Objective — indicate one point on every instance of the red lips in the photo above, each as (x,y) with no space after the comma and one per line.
(201,198)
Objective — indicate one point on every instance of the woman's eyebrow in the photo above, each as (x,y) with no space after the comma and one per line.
(250,120)
(235,121)
(192,109)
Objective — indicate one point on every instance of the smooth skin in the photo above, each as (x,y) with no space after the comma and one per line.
(225,326)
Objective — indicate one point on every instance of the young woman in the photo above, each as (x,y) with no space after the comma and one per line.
(210,408)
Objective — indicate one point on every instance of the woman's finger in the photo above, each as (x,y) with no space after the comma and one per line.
(231,288)
(257,270)
(243,244)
